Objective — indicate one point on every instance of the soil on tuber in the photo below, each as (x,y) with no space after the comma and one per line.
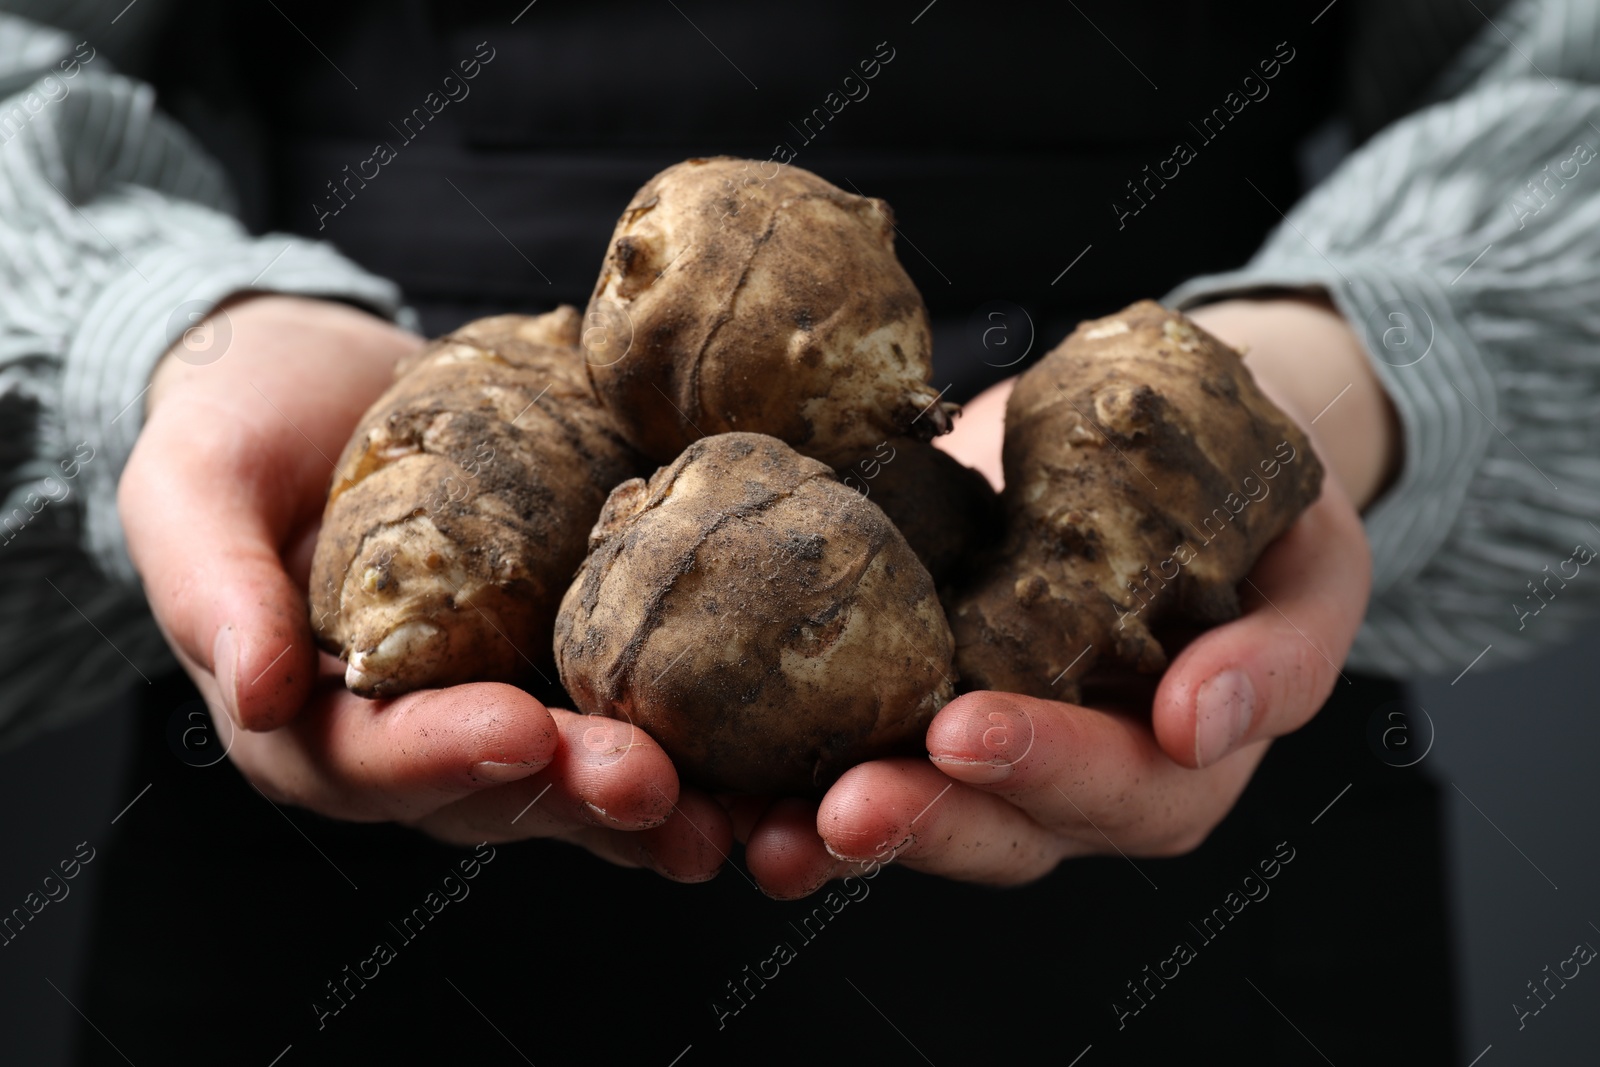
(461,507)
(1145,472)
(945,510)
(769,627)
(731,301)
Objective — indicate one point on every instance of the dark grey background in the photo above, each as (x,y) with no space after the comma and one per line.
(61,789)
(1514,747)
(1516,741)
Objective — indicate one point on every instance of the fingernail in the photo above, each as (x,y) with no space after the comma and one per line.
(225,666)
(974,772)
(883,853)
(842,858)
(650,860)
(504,772)
(990,750)
(601,817)
(819,880)
(601,814)
(1223,708)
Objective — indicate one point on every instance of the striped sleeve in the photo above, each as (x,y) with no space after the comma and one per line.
(1461,244)
(115,238)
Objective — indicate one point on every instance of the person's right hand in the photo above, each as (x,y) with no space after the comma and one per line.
(221,500)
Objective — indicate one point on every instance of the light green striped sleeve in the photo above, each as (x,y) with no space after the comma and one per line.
(1463,244)
(115,236)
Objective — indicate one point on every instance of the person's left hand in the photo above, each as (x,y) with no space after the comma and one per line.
(1013,785)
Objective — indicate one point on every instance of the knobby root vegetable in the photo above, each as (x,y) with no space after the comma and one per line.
(945,510)
(730,301)
(1145,473)
(461,506)
(766,625)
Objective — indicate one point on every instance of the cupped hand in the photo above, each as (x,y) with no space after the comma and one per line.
(1013,785)
(221,500)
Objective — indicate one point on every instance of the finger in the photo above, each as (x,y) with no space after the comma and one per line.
(615,771)
(365,760)
(745,810)
(1095,777)
(1267,673)
(905,809)
(691,845)
(602,772)
(203,516)
(786,856)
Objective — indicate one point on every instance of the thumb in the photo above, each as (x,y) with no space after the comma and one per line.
(204,508)
(1267,673)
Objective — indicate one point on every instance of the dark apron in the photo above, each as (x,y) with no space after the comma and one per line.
(1010,140)
(219,926)
(1006,140)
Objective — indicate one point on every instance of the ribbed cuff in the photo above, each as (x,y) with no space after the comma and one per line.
(142,312)
(1434,373)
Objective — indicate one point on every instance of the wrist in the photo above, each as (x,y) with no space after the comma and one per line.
(1309,361)
(245,319)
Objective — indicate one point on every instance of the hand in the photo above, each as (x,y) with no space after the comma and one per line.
(221,501)
(1013,785)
